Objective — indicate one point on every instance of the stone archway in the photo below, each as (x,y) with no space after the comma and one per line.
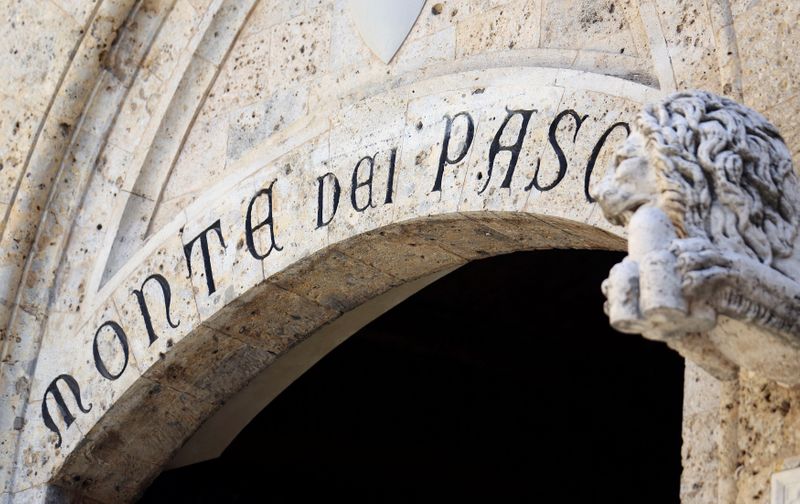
(391,189)
(163,128)
(193,377)
(462,390)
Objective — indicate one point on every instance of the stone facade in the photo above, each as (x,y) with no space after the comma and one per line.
(193,190)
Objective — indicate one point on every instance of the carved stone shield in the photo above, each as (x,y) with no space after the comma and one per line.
(384,24)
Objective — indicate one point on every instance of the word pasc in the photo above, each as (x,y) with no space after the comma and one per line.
(363,195)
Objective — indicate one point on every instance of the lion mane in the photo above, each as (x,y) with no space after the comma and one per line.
(723,173)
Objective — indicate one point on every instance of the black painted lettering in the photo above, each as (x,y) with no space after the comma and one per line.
(444,157)
(598,147)
(514,148)
(562,159)
(355,184)
(249,229)
(66,414)
(321,221)
(390,181)
(203,237)
(148,322)
(123,343)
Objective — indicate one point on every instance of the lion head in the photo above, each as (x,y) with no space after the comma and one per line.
(718,169)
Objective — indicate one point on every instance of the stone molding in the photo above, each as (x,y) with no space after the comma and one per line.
(439,228)
(133,59)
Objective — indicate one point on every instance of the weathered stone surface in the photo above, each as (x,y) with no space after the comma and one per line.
(699,458)
(257,122)
(230,271)
(401,256)
(689,35)
(513,25)
(315,272)
(169,324)
(209,366)
(335,281)
(604,25)
(133,442)
(125,132)
(767,434)
(701,436)
(272,318)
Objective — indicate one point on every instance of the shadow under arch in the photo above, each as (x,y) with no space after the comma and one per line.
(287,323)
(501,381)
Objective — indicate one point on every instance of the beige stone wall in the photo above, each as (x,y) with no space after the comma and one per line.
(277,72)
(129,126)
(38,49)
(701,436)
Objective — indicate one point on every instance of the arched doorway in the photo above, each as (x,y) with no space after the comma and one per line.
(501,380)
(132,124)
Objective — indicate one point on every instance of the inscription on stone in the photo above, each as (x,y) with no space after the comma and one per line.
(366,191)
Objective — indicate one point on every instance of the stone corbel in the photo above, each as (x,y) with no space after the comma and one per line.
(711,202)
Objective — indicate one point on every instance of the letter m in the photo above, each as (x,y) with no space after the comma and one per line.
(66,414)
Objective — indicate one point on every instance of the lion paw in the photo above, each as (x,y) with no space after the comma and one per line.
(701,264)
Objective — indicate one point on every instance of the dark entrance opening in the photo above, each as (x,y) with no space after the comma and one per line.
(500,382)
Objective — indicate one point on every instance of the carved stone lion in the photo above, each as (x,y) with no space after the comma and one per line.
(708,192)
